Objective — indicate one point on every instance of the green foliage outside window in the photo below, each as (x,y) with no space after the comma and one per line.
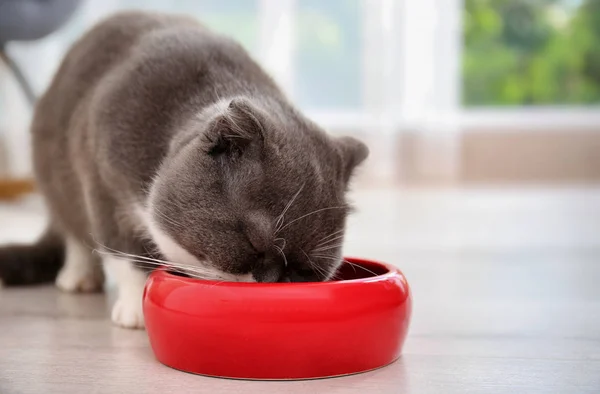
(531,52)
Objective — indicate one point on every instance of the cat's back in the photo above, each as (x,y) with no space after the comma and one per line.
(105,46)
(61,117)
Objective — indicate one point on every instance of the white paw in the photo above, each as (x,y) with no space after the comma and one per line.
(127,312)
(80,278)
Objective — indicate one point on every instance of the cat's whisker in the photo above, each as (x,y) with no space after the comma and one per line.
(310,262)
(325,238)
(143,264)
(186,268)
(153,261)
(348,262)
(322,256)
(327,247)
(361,267)
(320,270)
(195,271)
(185,272)
(129,255)
(155,264)
(309,214)
(279,221)
(282,254)
(333,258)
(167,218)
(280,239)
(329,241)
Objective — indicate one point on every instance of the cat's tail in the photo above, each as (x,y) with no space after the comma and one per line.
(32,264)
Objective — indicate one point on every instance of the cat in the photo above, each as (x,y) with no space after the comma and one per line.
(161,141)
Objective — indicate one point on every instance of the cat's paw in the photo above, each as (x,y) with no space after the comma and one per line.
(127,312)
(83,278)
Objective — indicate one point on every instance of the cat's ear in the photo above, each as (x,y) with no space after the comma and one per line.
(234,129)
(352,152)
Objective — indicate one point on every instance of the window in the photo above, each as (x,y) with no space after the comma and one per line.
(380,67)
(236,18)
(388,64)
(531,52)
(328,54)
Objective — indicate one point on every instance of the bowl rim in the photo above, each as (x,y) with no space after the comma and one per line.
(391,272)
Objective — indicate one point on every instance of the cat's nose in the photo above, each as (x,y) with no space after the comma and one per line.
(259,229)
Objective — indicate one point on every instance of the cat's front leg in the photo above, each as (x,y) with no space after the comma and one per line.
(127,310)
(81,271)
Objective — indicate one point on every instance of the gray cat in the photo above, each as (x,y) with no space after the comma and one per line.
(158,141)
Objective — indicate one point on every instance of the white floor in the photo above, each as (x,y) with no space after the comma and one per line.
(506,299)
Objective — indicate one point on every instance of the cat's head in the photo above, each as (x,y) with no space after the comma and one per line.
(250,194)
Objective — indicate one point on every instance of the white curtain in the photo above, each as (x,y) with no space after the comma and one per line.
(370,67)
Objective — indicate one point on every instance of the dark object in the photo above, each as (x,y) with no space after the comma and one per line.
(32,264)
(28,20)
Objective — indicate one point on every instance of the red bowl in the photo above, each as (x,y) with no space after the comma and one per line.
(279,330)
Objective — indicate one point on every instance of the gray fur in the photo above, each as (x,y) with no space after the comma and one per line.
(157,104)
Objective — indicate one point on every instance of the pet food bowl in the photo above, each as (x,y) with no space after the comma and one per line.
(279,330)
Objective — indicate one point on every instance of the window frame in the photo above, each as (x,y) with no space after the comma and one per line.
(421,42)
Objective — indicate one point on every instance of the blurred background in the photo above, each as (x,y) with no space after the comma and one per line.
(483,121)
(446,92)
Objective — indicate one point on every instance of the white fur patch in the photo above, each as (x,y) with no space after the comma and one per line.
(177,254)
(167,246)
(245,278)
(81,271)
(170,248)
(127,310)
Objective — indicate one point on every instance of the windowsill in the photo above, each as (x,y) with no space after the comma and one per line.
(546,118)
